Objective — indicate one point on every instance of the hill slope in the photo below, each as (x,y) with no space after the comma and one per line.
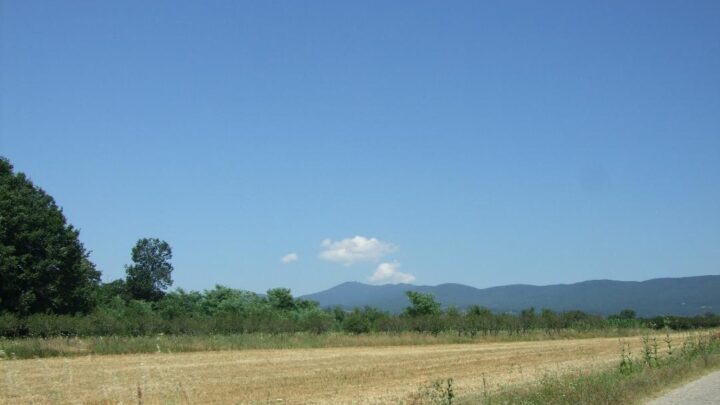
(662,296)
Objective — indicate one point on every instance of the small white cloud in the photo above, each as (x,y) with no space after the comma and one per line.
(289,258)
(353,250)
(388,273)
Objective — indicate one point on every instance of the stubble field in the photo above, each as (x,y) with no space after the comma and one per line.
(362,375)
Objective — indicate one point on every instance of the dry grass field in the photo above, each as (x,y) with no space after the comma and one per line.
(319,376)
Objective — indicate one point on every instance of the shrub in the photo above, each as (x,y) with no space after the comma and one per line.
(315,321)
(356,322)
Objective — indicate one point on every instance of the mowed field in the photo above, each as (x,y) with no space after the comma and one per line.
(362,375)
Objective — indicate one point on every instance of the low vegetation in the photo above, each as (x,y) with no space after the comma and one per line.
(226,311)
(635,378)
(657,364)
(38,347)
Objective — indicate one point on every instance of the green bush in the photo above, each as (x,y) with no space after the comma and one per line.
(356,322)
(315,321)
(223,310)
(11,326)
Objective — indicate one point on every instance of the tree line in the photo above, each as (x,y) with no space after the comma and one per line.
(224,310)
(49,287)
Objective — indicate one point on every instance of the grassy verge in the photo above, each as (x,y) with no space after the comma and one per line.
(634,380)
(26,348)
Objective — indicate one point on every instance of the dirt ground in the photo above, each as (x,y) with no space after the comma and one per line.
(319,376)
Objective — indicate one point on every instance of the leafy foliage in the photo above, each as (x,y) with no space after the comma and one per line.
(43,265)
(356,322)
(224,310)
(421,304)
(281,298)
(150,274)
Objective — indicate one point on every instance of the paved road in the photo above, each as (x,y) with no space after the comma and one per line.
(699,392)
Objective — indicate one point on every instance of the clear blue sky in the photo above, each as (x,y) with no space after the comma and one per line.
(484,143)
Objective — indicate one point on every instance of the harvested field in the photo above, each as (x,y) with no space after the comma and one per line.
(322,376)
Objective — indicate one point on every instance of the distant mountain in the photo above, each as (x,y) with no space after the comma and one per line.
(662,296)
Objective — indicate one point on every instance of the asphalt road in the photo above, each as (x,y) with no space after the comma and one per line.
(704,391)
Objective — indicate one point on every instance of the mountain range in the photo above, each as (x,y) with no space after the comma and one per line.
(684,296)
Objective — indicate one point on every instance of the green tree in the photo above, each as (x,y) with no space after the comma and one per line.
(356,322)
(150,274)
(106,292)
(43,265)
(316,321)
(479,311)
(549,319)
(180,304)
(281,298)
(339,314)
(528,318)
(479,318)
(421,304)
(223,299)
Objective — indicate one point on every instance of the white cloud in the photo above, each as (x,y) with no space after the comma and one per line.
(388,273)
(289,258)
(353,250)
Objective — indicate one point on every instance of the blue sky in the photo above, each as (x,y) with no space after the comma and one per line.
(484,143)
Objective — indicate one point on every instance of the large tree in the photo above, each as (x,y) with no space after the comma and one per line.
(281,298)
(43,265)
(421,304)
(150,274)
